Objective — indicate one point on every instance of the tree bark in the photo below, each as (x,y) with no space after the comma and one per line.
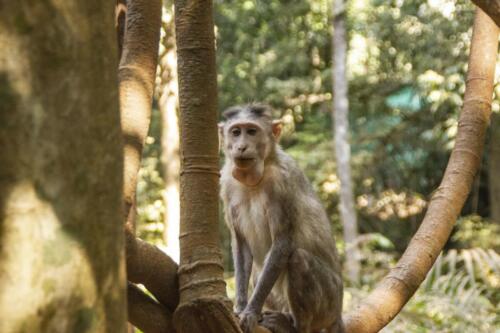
(494,168)
(168,105)
(204,306)
(137,76)
(490,7)
(60,169)
(384,303)
(340,114)
(146,264)
(146,313)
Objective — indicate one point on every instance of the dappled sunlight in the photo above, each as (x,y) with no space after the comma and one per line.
(390,204)
(331,185)
(445,7)
(34,239)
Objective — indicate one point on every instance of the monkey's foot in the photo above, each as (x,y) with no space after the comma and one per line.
(277,322)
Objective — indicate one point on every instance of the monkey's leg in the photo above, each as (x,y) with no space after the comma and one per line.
(314,292)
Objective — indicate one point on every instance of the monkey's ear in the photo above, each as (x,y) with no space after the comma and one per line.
(220,127)
(277,126)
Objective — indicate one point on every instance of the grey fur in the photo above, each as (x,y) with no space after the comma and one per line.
(279,228)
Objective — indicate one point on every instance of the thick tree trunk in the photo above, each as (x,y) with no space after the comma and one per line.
(204,306)
(168,104)
(384,303)
(340,114)
(490,7)
(60,169)
(494,168)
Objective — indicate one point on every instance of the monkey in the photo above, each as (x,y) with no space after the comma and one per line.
(281,236)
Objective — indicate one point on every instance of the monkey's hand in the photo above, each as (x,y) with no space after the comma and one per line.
(248,320)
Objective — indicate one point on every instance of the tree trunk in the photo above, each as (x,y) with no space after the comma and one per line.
(384,303)
(341,134)
(494,168)
(204,306)
(60,169)
(168,104)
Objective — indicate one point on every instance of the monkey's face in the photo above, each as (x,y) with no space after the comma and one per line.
(246,143)
(249,135)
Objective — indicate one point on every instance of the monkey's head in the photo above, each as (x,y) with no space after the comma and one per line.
(249,136)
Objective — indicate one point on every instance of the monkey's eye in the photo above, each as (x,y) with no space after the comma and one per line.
(236,131)
(252,131)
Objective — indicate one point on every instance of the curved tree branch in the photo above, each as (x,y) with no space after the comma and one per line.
(385,302)
(147,314)
(150,266)
(490,7)
(136,75)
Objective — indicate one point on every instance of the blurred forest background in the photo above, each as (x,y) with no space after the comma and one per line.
(406,67)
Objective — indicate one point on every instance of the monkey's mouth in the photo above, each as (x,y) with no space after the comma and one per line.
(244,162)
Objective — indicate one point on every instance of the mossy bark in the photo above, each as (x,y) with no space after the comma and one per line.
(60,169)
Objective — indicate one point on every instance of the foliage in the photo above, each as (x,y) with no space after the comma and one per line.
(151,187)
(455,297)
(473,231)
(471,268)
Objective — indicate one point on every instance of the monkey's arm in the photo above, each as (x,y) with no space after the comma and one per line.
(273,266)
(280,223)
(243,268)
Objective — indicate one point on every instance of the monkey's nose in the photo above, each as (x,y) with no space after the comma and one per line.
(241,149)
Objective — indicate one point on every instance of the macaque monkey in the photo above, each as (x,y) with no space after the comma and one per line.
(281,235)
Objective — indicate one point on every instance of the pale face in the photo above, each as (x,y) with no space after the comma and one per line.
(248,141)
(245,144)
